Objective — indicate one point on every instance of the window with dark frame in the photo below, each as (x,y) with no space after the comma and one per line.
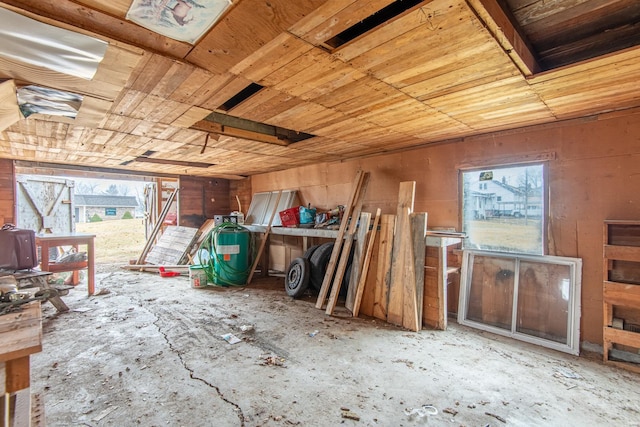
(503,208)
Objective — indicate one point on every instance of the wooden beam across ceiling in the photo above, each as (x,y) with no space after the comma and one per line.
(509,38)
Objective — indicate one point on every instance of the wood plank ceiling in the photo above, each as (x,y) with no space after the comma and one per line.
(441,70)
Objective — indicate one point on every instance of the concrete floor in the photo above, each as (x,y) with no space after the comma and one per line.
(149,352)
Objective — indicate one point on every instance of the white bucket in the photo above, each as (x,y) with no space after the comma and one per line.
(197,276)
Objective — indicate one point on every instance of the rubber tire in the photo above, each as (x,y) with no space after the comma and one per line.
(310,251)
(318,261)
(297,278)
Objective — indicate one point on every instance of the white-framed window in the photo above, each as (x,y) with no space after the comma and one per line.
(504,208)
(531,298)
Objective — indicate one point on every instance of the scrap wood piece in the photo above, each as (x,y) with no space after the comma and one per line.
(365,265)
(418,225)
(346,250)
(331,266)
(263,242)
(158,226)
(203,233)
(172,245)
(383,272)
(358,258)
(402,265)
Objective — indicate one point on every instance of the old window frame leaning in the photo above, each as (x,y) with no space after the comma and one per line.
(571,344)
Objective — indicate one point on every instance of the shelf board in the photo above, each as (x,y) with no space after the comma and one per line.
(622,294)
(622,253)
(620,336)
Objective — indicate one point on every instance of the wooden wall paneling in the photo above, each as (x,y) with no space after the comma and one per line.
(223,93)
(176,75)
(117,8)
(264,105)
(152,72)
(252,24)
(210,88)
(191,85)
(127,102)
(343,19)
(170,111)
(7,192)
(279,78)
(320,14)
(431,315)
(303,116)
(315,73)
(279,52)
(373,39)
(499,24)
(416,34)
(146,107)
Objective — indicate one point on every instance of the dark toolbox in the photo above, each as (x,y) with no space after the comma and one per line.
(17,248)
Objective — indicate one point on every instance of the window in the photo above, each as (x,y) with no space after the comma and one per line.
(533,299)
(110,211)
(507,213)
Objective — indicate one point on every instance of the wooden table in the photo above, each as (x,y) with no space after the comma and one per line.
(20,336)
(46,241)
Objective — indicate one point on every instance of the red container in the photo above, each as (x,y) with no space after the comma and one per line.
(290,217)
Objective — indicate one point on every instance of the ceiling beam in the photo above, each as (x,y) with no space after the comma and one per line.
(96,22)
(501,28)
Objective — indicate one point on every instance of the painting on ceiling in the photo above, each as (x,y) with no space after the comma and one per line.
(183,20)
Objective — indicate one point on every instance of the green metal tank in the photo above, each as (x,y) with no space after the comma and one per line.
(231,244)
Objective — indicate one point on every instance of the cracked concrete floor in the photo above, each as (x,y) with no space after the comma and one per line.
(150,353)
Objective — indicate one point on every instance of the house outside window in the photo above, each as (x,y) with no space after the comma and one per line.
(507,213)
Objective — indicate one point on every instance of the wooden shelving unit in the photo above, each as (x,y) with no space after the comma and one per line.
(621,289)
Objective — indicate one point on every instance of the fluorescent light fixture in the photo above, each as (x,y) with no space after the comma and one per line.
(32,42)
(183,20)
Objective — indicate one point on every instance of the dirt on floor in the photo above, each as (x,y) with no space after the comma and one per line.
(150,351)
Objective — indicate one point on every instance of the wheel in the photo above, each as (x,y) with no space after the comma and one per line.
(297,279)
(310,251)
(318,262)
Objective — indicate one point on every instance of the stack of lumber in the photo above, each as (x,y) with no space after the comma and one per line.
(337,265)
(394,285)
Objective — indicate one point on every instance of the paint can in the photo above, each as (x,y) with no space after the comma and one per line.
(197,276)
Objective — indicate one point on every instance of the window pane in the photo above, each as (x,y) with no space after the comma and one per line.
(502,209)
(490,298)
(543,300)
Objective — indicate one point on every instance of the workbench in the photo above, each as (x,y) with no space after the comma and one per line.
(435,300)
(46,241)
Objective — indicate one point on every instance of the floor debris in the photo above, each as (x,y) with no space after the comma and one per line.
(230,338)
